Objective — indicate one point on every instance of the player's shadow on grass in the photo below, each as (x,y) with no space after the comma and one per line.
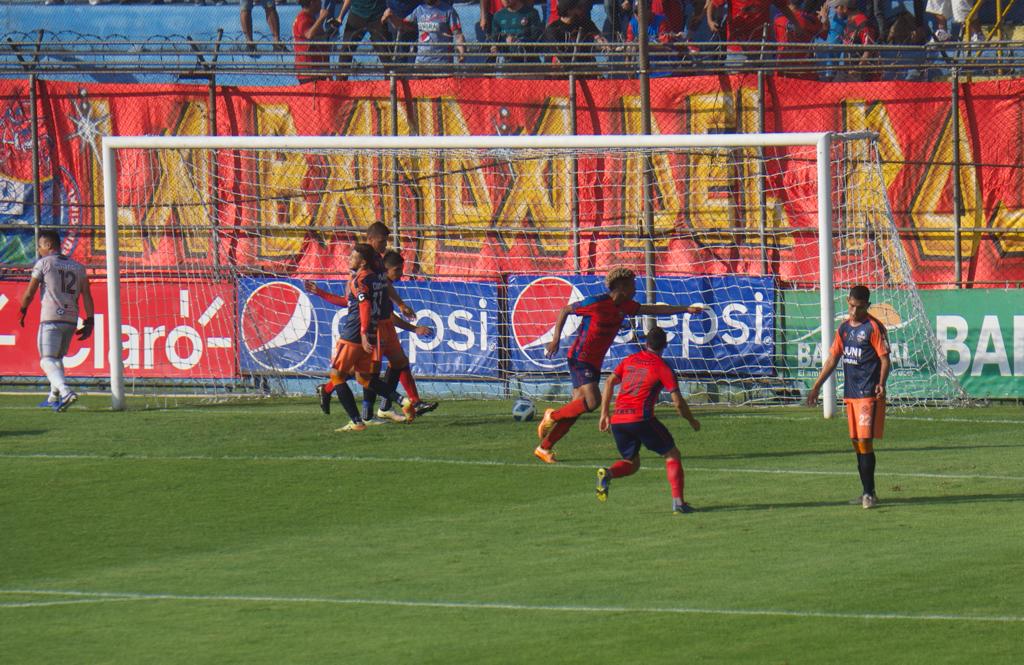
(884,502)
(23,432)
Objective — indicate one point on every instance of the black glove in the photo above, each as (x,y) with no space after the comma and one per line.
(21,319)
(86,330)
(331,26)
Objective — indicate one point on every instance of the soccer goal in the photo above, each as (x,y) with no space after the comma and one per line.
(211,239)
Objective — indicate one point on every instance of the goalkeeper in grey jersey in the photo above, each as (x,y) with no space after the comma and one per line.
(61,282)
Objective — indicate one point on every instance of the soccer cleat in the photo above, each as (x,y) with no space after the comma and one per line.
(64,402)
(546,456)
(425,407)
(409,409)
(868,501)
(376,421)
(546,424)
(390,415)
(49,402)
(353,426)
(682,508)
(604,479)
(325,399)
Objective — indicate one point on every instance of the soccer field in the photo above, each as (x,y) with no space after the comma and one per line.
(254,533)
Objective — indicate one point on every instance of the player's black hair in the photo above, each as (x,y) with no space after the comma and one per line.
(392,258)
(378,229)
(364,251)
(657,340)
(861,292)
(52,236)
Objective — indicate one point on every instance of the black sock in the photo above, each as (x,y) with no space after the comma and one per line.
(866,468)
(348,401)
(391,379)
(369,398)
(381,388)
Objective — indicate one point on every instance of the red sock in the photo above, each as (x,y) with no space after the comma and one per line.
(622,468)
(573,409)
(329,386)
(409,383)
(674,470)
(557,432)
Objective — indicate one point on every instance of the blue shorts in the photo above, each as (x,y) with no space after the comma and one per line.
(246,5)
(652,433)
(583,373)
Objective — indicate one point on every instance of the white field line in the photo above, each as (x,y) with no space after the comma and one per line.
(461,462)
(51,603)
(519,607)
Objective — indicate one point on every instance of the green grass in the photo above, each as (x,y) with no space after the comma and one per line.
(253,533)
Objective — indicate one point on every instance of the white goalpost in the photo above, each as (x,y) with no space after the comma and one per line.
(210,239)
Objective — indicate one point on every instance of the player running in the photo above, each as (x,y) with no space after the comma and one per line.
(643,376)
(602,316)
(355,349)
(63,282)
(863,344)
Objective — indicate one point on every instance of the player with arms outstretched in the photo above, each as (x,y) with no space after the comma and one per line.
(602,317)
(863,345)
(642,377)
(356,347)
(62,282)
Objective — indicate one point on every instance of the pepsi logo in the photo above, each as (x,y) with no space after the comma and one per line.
(278,326)
(533,319)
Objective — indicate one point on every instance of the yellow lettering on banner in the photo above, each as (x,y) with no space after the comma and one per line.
(281,207)
(937,181)
(540,192)
(467,203)
(181,194)
(1009,219)
(665,200)
(416,178)
(349,187)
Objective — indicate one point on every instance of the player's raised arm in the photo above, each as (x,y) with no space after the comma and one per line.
(563,315)
(411,327)
(606,401)
(684,410)
(669,309)
(333,298)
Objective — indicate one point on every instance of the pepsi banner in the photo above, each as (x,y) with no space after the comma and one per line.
(734,335)
(284,329)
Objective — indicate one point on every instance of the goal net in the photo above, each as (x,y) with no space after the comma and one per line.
(210,242)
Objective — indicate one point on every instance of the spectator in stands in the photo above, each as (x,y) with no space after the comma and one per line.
(908,64)
(312,50)
(403,34)
(273,22)
(512,29)
(618,14)
(860,31)
(572,33)
(664,33)
(488,10)
(362,18)
(790,34)
(439,30)
(950,18)
(746,21)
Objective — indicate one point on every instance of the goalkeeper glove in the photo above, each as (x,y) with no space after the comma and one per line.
(86,330)
(21,319)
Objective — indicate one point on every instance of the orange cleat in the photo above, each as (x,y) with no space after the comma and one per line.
(546,456)
(409,409)
(546,424)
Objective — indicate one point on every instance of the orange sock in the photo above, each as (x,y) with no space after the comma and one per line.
(573,409)
(329,386)
(409,383)
(674,471)
(557,432)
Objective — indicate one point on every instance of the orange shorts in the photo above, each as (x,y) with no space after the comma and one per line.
(389,347)
(350,358)
(866,417)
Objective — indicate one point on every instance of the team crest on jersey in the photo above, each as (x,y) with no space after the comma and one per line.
(533,318)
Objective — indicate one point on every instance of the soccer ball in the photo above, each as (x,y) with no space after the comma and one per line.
(523,410)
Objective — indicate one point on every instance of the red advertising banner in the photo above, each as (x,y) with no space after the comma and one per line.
(316,198)
(189,332)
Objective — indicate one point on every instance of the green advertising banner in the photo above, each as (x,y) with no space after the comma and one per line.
(979,332)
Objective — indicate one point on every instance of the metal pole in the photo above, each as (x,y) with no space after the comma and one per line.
(211,129)
(574,203)
(116,357)
(37,195)
(824,151)
(396,215)
(762,195)
(957,195)
(645,120)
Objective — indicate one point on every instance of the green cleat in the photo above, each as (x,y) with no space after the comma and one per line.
(604,479)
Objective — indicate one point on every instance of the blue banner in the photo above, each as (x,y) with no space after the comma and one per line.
(285,329)
(734,335)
